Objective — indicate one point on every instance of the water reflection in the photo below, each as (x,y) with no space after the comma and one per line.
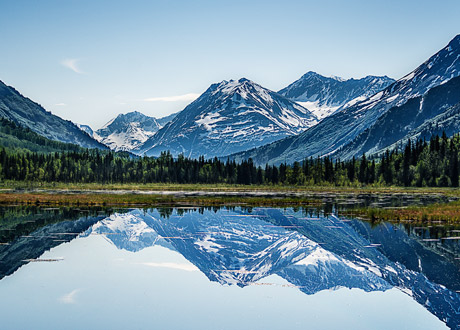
(27,232)
(309,250)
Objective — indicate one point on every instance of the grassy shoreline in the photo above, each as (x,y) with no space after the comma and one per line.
(139,200)
(358,189)
(135,195)
(438,213)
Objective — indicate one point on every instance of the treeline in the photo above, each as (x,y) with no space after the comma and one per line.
(420,163)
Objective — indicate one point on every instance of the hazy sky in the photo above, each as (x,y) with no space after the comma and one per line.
(88,61)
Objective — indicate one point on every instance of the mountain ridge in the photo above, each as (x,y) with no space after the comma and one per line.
(337,130)
(229,116)
(27,113)
(326,95)
(127,131)
(402,122)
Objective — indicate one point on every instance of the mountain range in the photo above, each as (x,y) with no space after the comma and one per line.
(326,95)
(322,95)
(313,116)
(413,119)
(335,132)
(228,117)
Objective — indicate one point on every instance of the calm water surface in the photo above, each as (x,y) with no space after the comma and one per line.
(259,268)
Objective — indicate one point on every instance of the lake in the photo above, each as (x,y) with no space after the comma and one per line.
(223,268)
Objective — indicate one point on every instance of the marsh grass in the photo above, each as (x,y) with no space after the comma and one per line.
(61,195)
(446,213)
(358,189)
(139,200)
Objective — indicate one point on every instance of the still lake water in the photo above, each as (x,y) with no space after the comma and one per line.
(225,268)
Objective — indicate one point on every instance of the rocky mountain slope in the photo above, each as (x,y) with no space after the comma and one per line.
(228,117)
(339,129)
(25,112)
(326,95)
(127,131)
(415,118)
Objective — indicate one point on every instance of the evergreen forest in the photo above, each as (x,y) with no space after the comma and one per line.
(27,156)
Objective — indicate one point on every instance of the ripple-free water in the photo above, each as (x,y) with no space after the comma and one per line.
(263,268)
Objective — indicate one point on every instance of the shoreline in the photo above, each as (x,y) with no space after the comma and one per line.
(438,205)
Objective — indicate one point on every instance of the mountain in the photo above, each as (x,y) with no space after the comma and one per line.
(325,95)
(128,131)
(417,118)
(87,129)
(244,251)
(26,113)
(15,137)
(448,122)
(228,117)
(166,119)
(339,129)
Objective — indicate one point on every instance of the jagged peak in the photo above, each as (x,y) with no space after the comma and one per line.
(239,81)
(135,112)
(232,86)
(123,117)
(310,74)
(455,41)
(243,80)
(131,114)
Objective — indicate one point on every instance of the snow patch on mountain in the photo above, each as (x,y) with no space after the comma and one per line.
(326,95)
(319,110)
(127,231)
(209,120)
(336,131)
(317,256)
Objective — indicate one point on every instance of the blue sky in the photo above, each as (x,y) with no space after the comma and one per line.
(87,61)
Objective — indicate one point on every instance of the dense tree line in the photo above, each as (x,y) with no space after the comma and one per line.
(419,163)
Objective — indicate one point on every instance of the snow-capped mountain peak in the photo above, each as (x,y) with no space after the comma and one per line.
(340,129)
(244,88)
(326,95)
(230,116)
(127,131)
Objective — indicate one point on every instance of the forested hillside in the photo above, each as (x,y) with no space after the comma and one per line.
(19,138)
(420,163)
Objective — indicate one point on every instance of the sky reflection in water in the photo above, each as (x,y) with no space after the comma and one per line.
(270,268)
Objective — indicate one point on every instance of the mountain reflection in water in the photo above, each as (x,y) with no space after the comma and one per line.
(311,251)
